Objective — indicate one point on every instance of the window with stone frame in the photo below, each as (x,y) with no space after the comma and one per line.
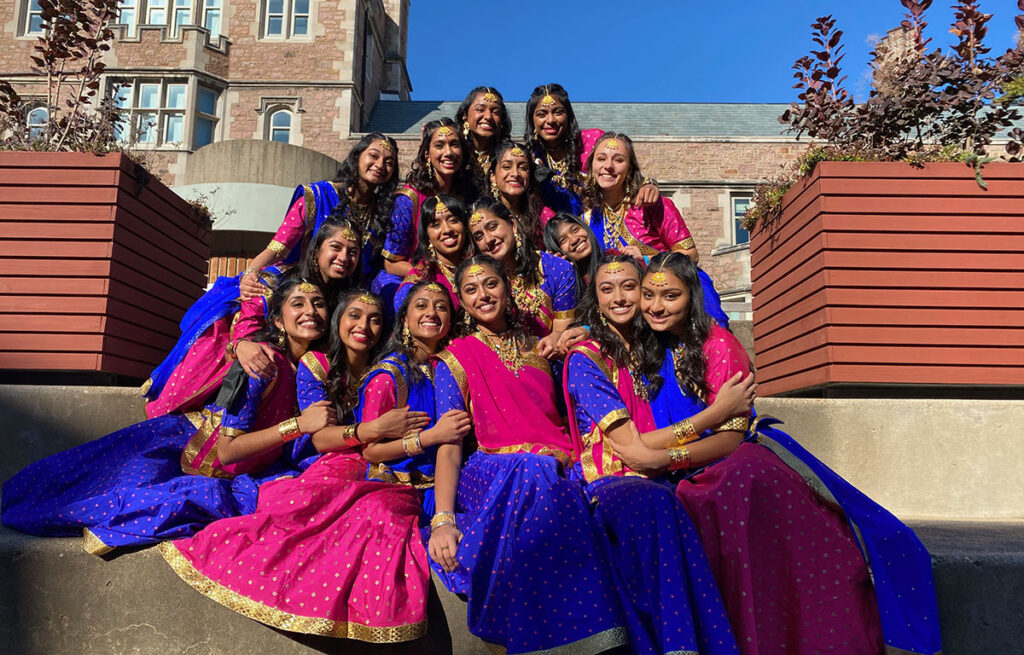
(172,13)
(279,127)
(284,19)
(206,117)
(153,111)
(36,122)
(32,21)
(739,202)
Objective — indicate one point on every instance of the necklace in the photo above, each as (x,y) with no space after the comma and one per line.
(351,398)
(678,355)
(483,160)
(526,299)
(639,387)
(507,350)
(614,227)
(447,271)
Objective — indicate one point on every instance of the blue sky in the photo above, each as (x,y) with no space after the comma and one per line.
(655,51)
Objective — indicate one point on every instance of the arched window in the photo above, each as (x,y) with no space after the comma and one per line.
(36,122)
(281,126)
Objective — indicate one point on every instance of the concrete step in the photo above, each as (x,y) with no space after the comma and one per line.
(55,598)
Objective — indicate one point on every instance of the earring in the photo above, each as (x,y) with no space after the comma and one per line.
(430,170)
(281,340)
(406,337)
(316,271)
(604,321)
(431,253)
(519,241)
(494,190)
(465,129)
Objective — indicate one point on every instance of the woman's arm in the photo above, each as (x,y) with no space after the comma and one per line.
(445,534)
(232,447)
(287,238)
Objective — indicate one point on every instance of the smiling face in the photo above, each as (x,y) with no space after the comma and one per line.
(360,325)
(377,163)
(337,256)
(493,236)
(610,167)
(447,234)
(512,173)
(303,316)
(573,240)
(550,121)
(618,293)
(665,301)
(484,295)
(445,151)
(484,117)
(429,316)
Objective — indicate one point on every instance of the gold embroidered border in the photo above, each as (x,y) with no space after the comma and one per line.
(384,473)
(414,197)
(93,544)
(391,257)
(590,439)
(146,386)
(597,643)
(231,432)
(277,247)
(208,423)
(528,448)
(568,313)
(458,373)
(736,423)
(310,204)
(314,366)
(283,620)
(612,417)
(600,362)
(401,386)
(686,244)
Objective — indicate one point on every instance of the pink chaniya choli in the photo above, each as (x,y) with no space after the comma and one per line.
(204,366)
(327,553)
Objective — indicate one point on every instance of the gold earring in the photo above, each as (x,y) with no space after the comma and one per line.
(519,241)
(406,337)
(604,321)
(494,190)
(431,253)
(465,129)
(430,169)
(281,340)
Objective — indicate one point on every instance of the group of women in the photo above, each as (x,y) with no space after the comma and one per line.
(509,371)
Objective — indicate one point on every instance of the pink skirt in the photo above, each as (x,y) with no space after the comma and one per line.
(198,375)
(327,553)
(790,573)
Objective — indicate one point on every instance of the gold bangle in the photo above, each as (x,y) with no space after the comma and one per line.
(680,458)
(349,435)
(443,518)
(684,432)
(411,444)
(289,430)
(737,423)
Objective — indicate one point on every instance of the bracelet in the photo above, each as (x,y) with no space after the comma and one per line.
(680,458)
(411,444)
(289,430)
(684,432)
(443,518)
(349,434)
(737,423)
(648,180)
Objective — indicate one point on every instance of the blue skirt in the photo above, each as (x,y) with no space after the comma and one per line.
(126,489)
(667,589)
(530,563)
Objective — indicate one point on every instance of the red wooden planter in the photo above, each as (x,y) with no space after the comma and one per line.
(884,273)
(98,262)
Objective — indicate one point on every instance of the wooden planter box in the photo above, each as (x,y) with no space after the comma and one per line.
(884,273)
(98,262)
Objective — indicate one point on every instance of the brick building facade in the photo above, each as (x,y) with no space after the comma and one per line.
(316,74)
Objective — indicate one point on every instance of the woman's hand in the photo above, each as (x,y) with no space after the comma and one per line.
(736,396)
(393,424)
(571,337)
(444,542)
(639,457)
(647,195)
(634,252)
(257,359)
(547,347)
(249,286)
(317,416)
(450,428)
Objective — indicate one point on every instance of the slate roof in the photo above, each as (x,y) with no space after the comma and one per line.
(640,119)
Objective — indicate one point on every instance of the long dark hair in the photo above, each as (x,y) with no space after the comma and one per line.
(504,130)
(646,354)
(396,344)
(583,273)
(527,257)
(529,218)
(426,262)
(468,324)
(270,333)
(337,355)
(309,267)
(381,195)
(691,367)
(592,195)
(573,138)
(420,176)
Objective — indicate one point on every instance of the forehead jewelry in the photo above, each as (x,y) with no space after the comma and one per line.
(444,130)
(658,279)
(614,267)
(612,143)
(474,270)
(475,218)
(369,299)
(435,287)
(440,206)
(517,152)
(308,287)
(385,145)
(490,97)
(547,101)
(349,233)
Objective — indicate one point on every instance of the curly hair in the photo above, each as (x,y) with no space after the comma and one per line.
(382,195)
(423,258)
(573,138)
(592,194)
(512,323)
(645,354)
(588,269)
(395,343)
(309,266)
(420,176)
(691,368)
(337,354)
(270,333)
(504,130)
(527,257)
(529,217)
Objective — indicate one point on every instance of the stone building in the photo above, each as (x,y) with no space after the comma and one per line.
(301,80)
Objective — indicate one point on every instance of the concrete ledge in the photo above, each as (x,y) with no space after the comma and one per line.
(937,458)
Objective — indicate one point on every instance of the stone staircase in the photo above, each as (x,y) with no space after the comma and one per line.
(55,598)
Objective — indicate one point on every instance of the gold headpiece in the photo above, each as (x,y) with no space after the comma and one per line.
(475,218)
(474,270)
(369,299)
(385,145)
(614,267)
(547,101)
(440,206)
(308,287)
(490,97)
(658,279)
(444,130)
(612,143)
(517,152)
(350,234)
(435,287)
